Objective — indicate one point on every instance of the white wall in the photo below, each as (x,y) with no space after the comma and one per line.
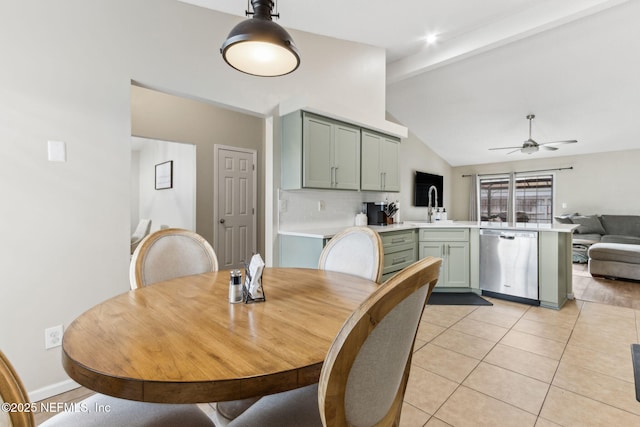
(66,74)
(174,207)
(604,183)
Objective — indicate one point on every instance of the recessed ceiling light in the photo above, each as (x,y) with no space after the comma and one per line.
(432,38)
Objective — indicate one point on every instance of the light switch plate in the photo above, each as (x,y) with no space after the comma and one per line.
(57,151)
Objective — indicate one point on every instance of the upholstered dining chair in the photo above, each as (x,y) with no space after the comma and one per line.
(169,253)
(121,412)
(142,230)
(365,373)
(174,252)
(357,251)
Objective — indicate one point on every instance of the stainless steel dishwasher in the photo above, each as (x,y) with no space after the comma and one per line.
(509,265)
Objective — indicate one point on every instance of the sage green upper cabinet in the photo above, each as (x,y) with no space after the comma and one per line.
(379,162)
(318,152)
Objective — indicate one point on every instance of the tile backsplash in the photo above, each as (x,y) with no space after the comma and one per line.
(323,208)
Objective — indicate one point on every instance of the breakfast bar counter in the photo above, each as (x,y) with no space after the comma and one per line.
(328,232)
(457,242)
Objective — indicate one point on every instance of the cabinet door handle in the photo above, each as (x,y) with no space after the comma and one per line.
(335,174)
(384,180)
(331,178)
(398,240)
(399,260)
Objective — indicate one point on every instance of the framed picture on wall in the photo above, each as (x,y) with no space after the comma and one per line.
(164,175)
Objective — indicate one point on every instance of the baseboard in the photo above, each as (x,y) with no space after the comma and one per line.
(52,390)
(570,296)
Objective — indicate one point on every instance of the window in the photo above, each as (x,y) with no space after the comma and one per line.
(494,198)
(532,197)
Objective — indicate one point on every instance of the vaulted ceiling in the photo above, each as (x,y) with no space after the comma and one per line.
(575,64)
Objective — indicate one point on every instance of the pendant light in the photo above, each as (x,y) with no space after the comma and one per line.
(259,46)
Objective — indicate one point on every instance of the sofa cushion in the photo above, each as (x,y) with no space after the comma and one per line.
(586,239)
(621,225)
(588,225)
(615,252)
(615,269)
(565,218)
(612,238)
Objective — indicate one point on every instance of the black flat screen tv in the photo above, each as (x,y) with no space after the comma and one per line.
(423,181)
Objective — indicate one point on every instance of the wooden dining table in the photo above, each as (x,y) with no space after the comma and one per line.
(181,341)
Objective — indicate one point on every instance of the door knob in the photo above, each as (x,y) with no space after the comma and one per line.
(222,221)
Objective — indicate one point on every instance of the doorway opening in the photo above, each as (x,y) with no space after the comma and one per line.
(171,205)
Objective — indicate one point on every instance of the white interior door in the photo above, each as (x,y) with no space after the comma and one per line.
(235,206)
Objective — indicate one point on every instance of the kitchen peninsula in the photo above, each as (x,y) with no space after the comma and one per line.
(458,243)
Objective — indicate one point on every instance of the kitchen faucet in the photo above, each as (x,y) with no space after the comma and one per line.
(429,207)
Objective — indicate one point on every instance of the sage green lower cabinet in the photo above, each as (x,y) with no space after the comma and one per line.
(399,251)
(301,252)
(452,245)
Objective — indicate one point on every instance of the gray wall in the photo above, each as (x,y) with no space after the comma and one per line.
(159,115)
(416,156)
(599,183)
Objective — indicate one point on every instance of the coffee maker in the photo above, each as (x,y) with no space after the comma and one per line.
(376,214)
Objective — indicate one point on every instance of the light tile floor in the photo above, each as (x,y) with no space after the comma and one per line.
(516,365)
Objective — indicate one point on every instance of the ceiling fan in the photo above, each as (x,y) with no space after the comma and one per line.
(531,146)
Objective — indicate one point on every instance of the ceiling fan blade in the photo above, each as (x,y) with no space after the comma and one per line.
(515,151)
(505,148)
(569,141)
(548,147)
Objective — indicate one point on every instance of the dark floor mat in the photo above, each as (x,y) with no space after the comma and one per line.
(635,358)
(455,298)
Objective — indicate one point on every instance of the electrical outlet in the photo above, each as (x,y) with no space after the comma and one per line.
(53,337)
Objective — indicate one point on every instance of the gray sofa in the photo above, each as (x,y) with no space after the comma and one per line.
(610,243)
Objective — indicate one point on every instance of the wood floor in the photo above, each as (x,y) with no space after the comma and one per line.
(620,293)
(585,288)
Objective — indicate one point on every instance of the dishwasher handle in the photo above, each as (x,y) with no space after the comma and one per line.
(508,234)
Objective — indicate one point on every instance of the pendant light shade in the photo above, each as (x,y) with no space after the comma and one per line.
(259,46)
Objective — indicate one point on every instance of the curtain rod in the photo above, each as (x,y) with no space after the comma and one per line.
(506,173)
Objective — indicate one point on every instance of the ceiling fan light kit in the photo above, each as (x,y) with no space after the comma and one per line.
(260,47)
(530,146)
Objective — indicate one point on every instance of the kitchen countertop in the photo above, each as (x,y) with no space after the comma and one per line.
(328,232)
